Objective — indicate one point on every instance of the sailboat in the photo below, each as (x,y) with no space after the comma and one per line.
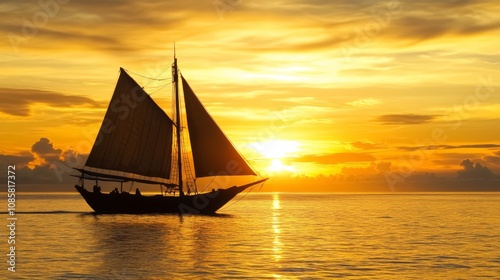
(135,144)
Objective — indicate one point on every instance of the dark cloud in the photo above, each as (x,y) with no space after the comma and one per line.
(45,150)
(374,169)
(337,158)
(45,164)
(383,167)
(473,170)
(366,145)
(448,147)
(17,101)
(20,160)
(429,26)
(405,119)
(369,170)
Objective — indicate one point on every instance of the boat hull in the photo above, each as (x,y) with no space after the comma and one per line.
(207,203)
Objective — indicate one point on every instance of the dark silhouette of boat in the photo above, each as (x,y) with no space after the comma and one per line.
(136,144)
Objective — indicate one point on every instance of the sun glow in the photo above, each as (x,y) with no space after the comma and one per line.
(277,150)
(278,166)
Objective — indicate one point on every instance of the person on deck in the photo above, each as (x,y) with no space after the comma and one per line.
(137,192)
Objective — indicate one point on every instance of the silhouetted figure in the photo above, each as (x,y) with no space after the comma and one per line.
(137,192)
(97,189)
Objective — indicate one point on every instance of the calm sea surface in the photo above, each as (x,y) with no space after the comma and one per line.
(263,236)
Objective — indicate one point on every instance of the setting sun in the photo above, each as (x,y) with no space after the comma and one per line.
(276,150)
(278,166)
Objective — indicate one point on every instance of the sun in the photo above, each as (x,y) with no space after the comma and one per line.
(276,148)
(276,151)
(278,166)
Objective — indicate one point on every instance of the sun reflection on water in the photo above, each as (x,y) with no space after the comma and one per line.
(277,244)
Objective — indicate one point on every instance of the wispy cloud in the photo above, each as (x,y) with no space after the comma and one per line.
(17,102)
(493,159)
(449,147)
(427,27)
(365,102)
(337,158)
(405,119)
(367,145)
(21,159)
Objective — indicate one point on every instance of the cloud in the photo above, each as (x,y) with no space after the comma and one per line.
(44,149)
(383,167)
(89,24)
(428,26)
(395,22)
(337,158)
(405,119)
(365,102)
(44,164)
(493,159)
(379,168)
(17,102)
(367,145)
(296,26)
(473,170)
(19,160)
(449,147)
(369,170)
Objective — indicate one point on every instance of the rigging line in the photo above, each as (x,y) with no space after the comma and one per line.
(225,207)
(261,185)
(159,74)
(159,85)
(156,90)
(146,77)
(213,178)
(156,78)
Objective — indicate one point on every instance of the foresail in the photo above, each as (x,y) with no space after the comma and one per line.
(136,134)
(213,153)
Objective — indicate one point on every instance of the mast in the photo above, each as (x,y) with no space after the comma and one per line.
(178,122)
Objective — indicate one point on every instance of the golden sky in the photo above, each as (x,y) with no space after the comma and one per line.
(303,88)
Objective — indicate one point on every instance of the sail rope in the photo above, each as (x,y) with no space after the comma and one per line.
(158,89)
(213,178)
(150,78)
(244,195)
(190,179)
(159,74)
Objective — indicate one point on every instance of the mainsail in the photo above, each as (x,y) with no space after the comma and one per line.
(136,134)
(213,153)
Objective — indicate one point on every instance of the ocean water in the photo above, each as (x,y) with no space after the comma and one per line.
(264,236)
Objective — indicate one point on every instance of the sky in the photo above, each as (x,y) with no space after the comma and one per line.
(315,94)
